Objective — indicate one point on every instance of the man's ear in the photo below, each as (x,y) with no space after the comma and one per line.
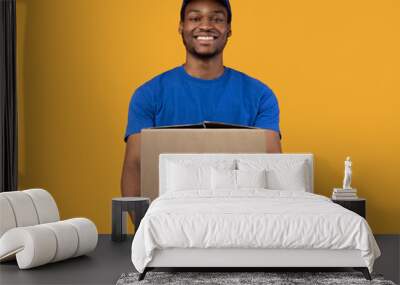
(229,31)
(180,29)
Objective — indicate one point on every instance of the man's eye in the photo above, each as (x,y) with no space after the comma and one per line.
(217,20)
(195,19)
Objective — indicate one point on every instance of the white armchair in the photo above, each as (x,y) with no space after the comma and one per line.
(31,230)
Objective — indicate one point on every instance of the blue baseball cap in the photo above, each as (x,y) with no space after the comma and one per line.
(224,3)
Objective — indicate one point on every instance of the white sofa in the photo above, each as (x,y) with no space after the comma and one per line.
(31,231)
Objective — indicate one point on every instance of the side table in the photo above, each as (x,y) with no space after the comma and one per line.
(357,205)
(120,205)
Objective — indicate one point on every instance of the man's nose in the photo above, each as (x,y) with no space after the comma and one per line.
(206,24)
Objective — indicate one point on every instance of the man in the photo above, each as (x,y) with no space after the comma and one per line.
(202,89)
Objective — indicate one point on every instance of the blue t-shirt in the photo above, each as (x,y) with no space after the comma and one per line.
(175,98)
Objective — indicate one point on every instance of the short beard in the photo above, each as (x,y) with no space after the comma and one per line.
(203,56)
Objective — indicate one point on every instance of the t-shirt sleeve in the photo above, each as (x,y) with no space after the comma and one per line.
(141,113)
(268,112)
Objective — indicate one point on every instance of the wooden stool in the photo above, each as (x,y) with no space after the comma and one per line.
(120,205)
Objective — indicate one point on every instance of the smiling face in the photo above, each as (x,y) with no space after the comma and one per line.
(205,28)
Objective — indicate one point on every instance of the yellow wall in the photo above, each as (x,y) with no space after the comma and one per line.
(334,65)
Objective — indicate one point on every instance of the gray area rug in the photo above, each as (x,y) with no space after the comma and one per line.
(269,278)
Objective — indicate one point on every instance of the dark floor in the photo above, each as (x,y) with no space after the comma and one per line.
(111,259)
(102,266)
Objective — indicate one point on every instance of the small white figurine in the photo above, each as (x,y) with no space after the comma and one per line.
(347,174)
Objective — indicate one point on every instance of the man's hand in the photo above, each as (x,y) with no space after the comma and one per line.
(273,142)
(130,180)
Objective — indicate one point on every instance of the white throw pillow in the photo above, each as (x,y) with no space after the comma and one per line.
(282,174)
(237,179)
(288,179)
(188,175)
(223,179)
(251,178)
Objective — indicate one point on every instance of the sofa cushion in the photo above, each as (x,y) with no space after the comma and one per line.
(40,244)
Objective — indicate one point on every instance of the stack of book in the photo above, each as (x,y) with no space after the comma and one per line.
(344,194)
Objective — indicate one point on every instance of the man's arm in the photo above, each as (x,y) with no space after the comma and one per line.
(130,180)
(268,119)
(273,142)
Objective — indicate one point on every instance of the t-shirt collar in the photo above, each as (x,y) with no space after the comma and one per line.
(204,81)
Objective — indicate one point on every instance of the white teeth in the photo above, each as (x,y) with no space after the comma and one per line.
(205,38)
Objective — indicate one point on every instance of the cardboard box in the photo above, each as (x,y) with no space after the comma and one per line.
(186,140)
